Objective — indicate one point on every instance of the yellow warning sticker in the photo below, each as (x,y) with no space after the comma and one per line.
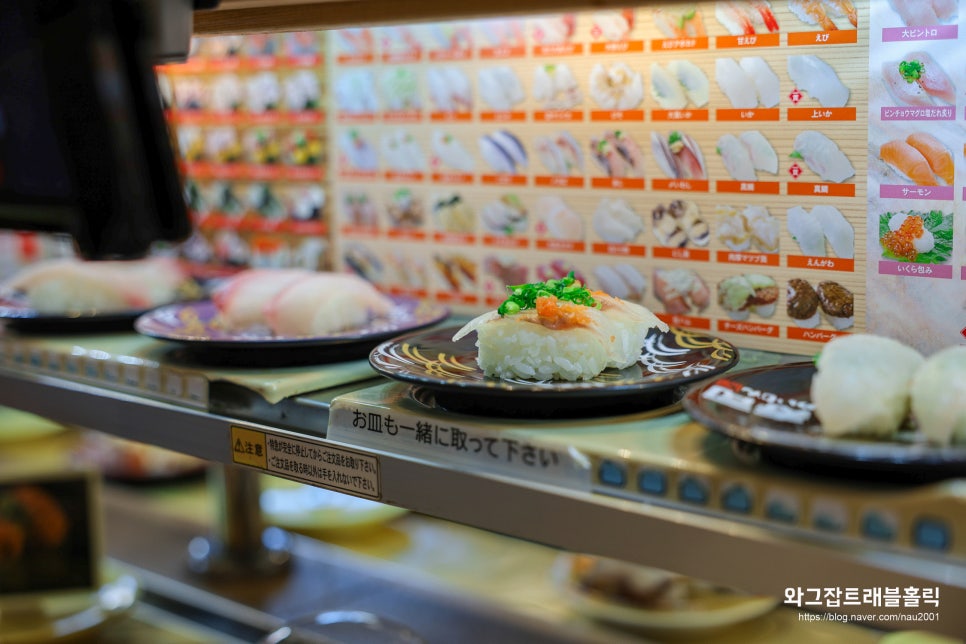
(248,447)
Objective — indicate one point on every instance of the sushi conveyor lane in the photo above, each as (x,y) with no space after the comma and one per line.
(689,542)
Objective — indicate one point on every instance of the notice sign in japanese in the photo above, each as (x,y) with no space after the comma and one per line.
(307,461)
(440,439)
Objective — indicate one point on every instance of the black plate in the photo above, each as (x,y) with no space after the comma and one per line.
(769,411)
(196,327)
(27,320)
(669,363)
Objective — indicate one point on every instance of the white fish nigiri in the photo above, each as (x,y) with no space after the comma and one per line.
(817,78)
(666,89)
(837,230)
(861,385)
(323,303)
(736,158)
(557,219)
(823,156)
(938,396)
(765,79)
(451,152)
(763,155)
(693,79)
(806,231)
(500,87)
(241,300)
(737,85)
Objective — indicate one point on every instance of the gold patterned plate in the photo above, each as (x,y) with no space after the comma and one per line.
(669,362)
(197,326)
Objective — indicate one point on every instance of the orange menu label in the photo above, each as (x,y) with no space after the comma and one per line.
(452,177)
(454,297)
(502,52)
(618,250)
(558,115)
(679,115)
(689,254)
(406,234)
(360,231)
(838,37)
(503,179)
(616,47)
(617,115)
(562,245)
(755,114)
(558,182)
(561,49)
(356,59)
(685,321)
(622,183)
(502,117)
(437,55)
(403,116)
(748,187)
(404,176)
(353,117)
(821,263)
(454,238)
(812,335)
(671,44)
(450,117)
(506,242)
(822,189)
(747,40)
(821,113)
(687,185)
(747,327)
(757,259)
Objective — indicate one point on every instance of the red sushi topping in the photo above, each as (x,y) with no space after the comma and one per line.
(555,313)
(901,242)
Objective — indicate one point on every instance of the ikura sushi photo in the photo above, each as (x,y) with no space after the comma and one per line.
(919,237)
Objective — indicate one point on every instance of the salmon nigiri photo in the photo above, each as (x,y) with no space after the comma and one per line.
(920,157)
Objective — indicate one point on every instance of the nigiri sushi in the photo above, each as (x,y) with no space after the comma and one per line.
(296,302)
(837,230)
(823,156)
(938,396)
(938,157)
(861,385)
(69,286)
(736,84)
(765,79)
(736,158)
(763,155)
(924,69)
(909,161)
(814,76)
(666,89)
(559,330)
(693,79)
(806,231)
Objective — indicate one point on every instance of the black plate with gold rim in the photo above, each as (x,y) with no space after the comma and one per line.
(768,412)
(669,363)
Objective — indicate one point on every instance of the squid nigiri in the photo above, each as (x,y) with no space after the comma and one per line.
(909,161)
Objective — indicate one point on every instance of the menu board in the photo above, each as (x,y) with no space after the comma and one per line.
(917,132)
(707,160)
(248,121)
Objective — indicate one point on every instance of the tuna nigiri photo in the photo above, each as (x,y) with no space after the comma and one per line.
(917,79)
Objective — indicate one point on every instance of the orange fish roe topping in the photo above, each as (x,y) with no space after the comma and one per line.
(560,314)
(901,242)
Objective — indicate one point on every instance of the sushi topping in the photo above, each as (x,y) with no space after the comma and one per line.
(564,290)
(911,70)
(901,242)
